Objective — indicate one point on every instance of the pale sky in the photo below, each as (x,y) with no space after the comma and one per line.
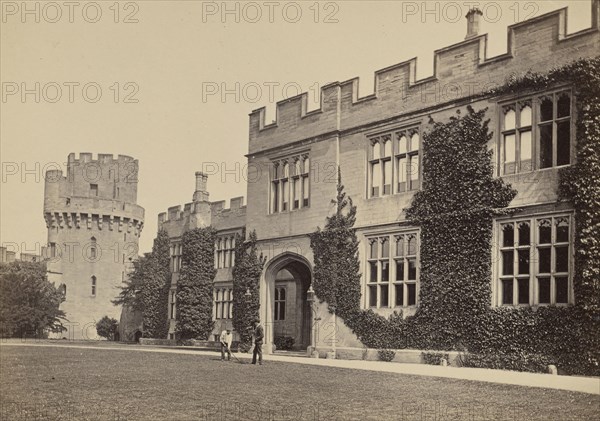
(175,52)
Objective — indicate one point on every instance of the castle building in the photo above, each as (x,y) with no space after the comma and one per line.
(376,141)
(228,222)
(94,226)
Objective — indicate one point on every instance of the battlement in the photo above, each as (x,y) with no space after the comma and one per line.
(175,213)
(461,70)
(102,158)
(235,203)
(102,178)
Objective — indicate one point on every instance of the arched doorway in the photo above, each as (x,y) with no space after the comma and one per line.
(285,311)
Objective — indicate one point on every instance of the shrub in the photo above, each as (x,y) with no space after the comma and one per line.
(107,328)
(533,363)
(435,358)
(284,343)
(386,354)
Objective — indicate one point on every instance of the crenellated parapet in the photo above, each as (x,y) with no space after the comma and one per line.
(103,177)
(95,194)
(461,70)
(202,214)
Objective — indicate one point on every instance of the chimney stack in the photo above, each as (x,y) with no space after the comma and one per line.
(473,19)
(201,194)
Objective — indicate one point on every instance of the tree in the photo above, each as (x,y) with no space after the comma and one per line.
(336,277)
(29,304)
(107,328)
(147,288)
(131,293)
(195,284)
(246,275)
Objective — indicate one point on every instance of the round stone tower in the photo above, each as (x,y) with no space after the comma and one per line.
(94,226)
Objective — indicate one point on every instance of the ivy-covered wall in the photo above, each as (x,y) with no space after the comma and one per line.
(246,276)
(195,284)
(455,212)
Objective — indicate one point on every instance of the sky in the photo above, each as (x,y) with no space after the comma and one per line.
(171,83)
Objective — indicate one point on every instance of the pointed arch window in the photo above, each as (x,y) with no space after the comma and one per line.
(290,188)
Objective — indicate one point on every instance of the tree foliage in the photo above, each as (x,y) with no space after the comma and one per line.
(336,277)
(246,276)
(195,284)
(147,288)
(131,293)
(107,328)
(29,304)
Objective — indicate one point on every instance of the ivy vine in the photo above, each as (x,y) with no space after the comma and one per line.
(195,284)
(455,211)
(246,276)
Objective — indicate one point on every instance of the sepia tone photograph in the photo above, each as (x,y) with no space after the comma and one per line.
(381,209)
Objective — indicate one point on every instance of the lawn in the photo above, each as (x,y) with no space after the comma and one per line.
(44,383)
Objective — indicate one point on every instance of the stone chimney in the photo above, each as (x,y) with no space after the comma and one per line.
(201,194)
(473,19)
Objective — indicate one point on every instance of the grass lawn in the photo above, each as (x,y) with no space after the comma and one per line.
(43,383)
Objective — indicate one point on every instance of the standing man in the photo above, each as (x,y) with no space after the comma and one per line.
(226,338)
(259,334)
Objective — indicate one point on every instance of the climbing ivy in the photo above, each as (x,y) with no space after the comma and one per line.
(195,284)
(579,183)
(336,277)
(246,275)
(156,295)
(455,212)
